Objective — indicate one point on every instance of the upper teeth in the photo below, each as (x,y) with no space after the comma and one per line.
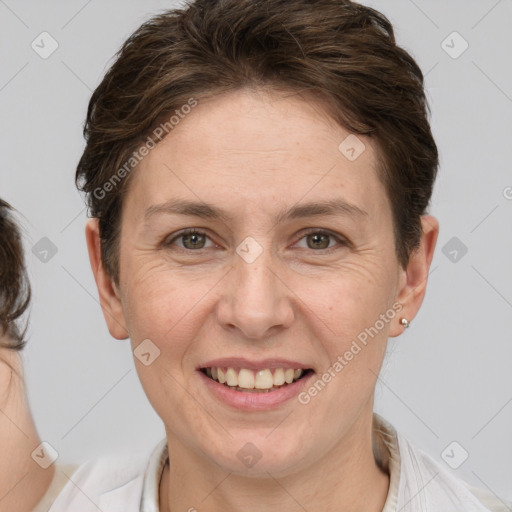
(251,379)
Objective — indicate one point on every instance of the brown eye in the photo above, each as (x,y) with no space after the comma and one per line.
(318,241)
(191,239)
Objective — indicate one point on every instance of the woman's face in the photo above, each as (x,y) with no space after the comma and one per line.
(291,265)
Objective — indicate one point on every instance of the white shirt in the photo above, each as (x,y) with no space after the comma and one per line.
(417,482)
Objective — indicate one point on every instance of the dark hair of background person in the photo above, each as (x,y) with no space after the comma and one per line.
(15,289)
(342,53)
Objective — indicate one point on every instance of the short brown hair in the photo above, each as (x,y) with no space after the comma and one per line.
(14,285)
(342,52)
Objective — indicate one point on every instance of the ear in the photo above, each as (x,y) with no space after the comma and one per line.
(110,299)
(413,280)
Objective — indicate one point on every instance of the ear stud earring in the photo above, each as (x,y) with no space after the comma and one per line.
(404,322)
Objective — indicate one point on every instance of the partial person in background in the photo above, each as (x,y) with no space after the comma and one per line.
(25,485)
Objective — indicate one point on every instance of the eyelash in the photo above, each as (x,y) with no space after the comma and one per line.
(341,241)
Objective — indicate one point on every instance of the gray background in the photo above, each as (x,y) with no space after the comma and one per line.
(447,379)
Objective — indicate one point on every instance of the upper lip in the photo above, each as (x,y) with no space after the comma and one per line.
(241,362)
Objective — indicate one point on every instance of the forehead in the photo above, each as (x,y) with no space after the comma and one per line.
(258,146)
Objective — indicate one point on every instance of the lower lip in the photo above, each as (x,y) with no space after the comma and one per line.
(255,401)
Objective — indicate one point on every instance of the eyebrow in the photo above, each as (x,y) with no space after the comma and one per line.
(208,211)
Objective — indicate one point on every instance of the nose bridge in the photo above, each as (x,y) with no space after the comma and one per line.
(256,301)
(254,277)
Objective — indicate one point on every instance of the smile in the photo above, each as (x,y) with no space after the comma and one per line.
(248,380)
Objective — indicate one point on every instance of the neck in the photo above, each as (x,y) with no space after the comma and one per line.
(23,482)
(347,478)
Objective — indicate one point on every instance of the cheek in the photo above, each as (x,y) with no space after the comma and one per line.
(350,298)
(161,308)
(351,341)
(165,306)
(351,313)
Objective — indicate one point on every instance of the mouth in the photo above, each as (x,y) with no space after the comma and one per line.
(247,380)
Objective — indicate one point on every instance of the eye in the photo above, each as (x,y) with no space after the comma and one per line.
(195,239)
(191,239)
(321,240)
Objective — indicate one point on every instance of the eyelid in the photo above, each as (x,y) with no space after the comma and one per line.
(169,241)
(339,238)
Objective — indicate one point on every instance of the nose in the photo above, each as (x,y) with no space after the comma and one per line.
(255,299)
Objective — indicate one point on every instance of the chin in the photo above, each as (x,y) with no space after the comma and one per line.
(258,453)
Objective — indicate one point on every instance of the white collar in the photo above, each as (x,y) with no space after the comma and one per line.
(151,487)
